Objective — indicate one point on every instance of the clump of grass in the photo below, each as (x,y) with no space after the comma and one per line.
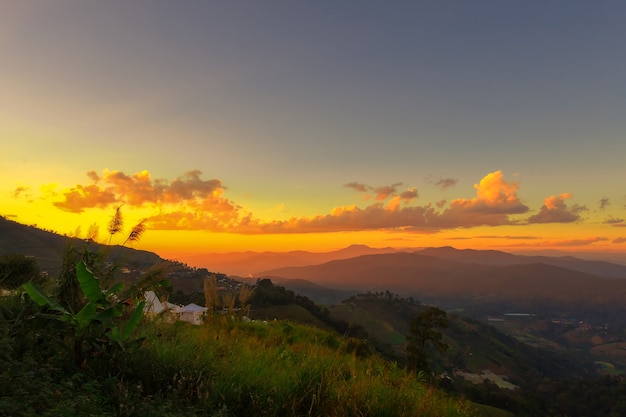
(278,369)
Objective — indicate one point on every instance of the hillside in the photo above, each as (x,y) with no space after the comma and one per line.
(473,345)
(48,247)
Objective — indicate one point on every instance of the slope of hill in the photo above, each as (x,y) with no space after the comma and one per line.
(516,374)
(48,247)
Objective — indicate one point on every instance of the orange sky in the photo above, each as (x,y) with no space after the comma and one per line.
(191,214)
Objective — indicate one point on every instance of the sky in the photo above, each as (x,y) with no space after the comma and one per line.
(275,125)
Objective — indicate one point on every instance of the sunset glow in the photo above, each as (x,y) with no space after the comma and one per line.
(308,127)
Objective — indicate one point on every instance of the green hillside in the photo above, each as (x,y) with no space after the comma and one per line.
(226,367)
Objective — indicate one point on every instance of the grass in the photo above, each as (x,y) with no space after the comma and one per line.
(223,368)
(279,369)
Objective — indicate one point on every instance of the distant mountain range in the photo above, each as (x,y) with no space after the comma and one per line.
(252,263)
(249,263)
(473,277)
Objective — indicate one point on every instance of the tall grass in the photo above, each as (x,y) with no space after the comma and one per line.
(226,367)
(277,369)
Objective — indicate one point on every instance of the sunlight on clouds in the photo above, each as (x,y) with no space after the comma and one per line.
(338,211)
(554,210)
(493,195)
(394,203)
(190,204)
(555,203)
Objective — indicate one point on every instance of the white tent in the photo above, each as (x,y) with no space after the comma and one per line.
(192,313)
(153,305)
(171,307)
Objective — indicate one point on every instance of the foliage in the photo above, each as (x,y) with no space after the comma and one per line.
(98,318)
(101,319)
(424,333)
(17,269)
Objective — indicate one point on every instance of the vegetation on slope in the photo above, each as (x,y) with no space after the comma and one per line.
(223,368)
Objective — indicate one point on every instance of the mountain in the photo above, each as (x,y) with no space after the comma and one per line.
(493,257)
(427,277)
(250,263)
(247,263)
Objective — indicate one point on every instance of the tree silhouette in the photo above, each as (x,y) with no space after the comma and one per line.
(424,337)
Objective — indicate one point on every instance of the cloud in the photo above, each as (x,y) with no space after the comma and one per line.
(80,197)
(563,243)
(381,193)
(603,203)
(357,186)
(507,237)
(446,183)
(193,203)
(409,195)
(614,222)
(493,196)
(619,240)
(579,242)
(554,210)
(116,187)
(279,208)
(21,191)
(496,199)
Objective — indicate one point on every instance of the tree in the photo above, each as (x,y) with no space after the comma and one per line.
(424,336)
(16,270)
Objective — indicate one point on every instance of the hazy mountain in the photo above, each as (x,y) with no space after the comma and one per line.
(421,276)
(492,257)
(247,263)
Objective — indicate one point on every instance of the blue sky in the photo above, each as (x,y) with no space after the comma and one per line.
(287,102)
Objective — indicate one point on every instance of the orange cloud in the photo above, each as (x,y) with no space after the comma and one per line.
(580,242)
(192,203)
(493,196)
(495,200)
(115,187)
(382,193)
(563,243)
(554,210)
(507,237)
(80,197)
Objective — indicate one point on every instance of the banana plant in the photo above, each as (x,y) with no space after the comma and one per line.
(102,308)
